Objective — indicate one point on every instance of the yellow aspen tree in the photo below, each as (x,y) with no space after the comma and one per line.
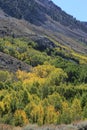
(51,115)
(65,115)
(20,118)
(2,108)
(76,110)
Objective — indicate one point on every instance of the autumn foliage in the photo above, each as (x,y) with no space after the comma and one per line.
(53,92)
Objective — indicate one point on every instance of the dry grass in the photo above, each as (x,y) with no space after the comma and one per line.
(75,126)
(9,127)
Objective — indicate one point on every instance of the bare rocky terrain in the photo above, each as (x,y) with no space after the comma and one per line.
(12,64)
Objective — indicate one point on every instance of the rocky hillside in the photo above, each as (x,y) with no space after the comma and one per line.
(36,12)
(12,64)
(31,17)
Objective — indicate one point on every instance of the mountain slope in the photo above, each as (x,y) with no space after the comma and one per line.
(43,65)
(31,17)
(35,11)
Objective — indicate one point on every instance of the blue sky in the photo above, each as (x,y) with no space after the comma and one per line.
(77,8)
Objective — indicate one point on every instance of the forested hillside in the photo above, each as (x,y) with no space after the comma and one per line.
(53,91)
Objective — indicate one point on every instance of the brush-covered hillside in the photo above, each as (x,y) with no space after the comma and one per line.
(43,64)
(41,83)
